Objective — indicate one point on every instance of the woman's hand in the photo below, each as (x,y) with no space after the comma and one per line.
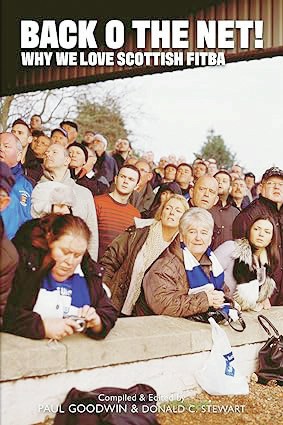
(91,317)
(215,298)
(59,328)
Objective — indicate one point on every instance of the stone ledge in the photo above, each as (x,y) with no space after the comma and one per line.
(131,340)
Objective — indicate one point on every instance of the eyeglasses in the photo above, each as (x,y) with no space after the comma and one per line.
(272,184)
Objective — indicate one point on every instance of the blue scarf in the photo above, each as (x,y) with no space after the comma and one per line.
(197,278)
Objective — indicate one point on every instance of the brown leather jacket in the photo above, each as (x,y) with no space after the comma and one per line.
(118,262)
(166,287)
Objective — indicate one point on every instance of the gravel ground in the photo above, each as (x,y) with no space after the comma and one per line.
(262,406)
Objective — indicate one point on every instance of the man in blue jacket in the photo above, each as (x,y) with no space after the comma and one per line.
(18,211)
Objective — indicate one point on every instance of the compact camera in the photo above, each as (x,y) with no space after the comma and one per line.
(81,322)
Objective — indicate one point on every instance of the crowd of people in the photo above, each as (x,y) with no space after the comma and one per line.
(93,234)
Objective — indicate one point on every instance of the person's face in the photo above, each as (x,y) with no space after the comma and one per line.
(261,233)
(60,209)
(149,156)
(237,170)
(72,132)
(68,252)
(272,189)
(211,169)
(35,122)
(250,181)
(239,189)
(123,145)
(172,159)
(183,175)
(197,238)
(126,181)
(22,133)
(58,137)
(89,137)
(223,184)
(8,151)
(205,192)
(199,170)
(54,157)
(162,162)
(98,146)
(77,157)
(165,196)
(91,160)
(146,175)
(172,213)
(40,145)
(170,173)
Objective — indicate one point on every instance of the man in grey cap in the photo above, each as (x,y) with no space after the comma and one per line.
(269,204)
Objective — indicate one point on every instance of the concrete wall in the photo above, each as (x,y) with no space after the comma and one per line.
(159,351)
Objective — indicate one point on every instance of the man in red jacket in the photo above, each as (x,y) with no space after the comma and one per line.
(269,203)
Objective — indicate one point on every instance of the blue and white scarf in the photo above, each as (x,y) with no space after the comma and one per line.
(197,278)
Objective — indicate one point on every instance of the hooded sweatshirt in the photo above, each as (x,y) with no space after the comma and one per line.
(83,207)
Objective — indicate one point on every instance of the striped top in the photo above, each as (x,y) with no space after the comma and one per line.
(113,218)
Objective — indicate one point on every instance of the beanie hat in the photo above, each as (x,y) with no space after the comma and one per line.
(82,147)
(46,194)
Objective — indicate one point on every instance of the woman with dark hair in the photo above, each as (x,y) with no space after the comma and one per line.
(249,263)
(163,194)
(57,286)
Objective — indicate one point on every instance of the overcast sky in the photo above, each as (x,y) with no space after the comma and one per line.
(243,102)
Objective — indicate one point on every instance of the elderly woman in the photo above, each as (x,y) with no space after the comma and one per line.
(187,279)
(134,252)
(249,264)
(57,282)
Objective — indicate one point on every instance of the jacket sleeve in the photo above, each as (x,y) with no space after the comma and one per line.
(91,221)
(8,264)
(164,295)
(107,312)
(224,255)
(19,318)
(114,256)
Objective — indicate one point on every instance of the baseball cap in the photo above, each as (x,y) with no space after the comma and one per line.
(64,132)
(273,171)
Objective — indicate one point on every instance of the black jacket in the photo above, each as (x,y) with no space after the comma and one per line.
(106,166)
(19,317)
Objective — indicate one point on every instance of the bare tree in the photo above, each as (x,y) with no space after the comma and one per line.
(58,104)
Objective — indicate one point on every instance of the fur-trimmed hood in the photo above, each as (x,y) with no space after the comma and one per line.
(250,295)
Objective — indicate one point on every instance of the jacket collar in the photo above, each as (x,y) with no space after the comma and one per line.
(17,171)
(271,204)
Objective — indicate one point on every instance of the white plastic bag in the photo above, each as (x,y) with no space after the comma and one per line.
(220,376)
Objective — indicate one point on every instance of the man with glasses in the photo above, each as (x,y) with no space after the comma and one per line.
(269,203)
